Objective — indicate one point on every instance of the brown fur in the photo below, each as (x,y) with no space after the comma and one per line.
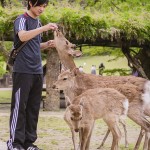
(77,83)
(68,50)
(93,104)
(89,81)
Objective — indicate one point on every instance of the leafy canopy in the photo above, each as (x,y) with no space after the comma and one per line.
(89,20)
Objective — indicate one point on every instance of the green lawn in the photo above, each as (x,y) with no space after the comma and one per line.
(5,96)
(87,62)
(54,133)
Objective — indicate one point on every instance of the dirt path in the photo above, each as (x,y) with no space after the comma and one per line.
(3,145)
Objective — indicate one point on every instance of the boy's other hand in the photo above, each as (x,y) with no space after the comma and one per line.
(50,26)
(51,43)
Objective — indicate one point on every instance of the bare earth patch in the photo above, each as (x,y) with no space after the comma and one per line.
(54,133)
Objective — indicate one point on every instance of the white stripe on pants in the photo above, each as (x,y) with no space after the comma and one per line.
(14,119)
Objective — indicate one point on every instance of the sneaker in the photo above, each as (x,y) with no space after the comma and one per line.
(33,147)
(18,149)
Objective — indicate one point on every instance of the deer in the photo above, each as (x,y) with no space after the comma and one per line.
(93,104)
(72,82)
(68,48)
(88,81)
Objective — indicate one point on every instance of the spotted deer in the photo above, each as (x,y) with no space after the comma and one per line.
(137,89)
(75,83)
(106,103)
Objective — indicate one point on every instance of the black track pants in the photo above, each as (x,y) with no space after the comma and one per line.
(25,105)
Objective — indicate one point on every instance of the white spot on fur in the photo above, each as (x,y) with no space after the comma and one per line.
(146,95)
(125,106)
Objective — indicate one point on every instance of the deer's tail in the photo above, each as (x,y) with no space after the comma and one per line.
(125,110)
(146,95)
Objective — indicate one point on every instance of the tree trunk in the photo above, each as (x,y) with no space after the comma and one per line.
(2,3)
(144,57)
(133,61)
(52,101)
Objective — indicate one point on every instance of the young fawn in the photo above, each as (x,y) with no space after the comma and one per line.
(106,103)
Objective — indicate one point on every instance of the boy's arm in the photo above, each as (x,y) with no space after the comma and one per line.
(48,44)
(27,35)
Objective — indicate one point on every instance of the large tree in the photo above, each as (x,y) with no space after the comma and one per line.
(124,24)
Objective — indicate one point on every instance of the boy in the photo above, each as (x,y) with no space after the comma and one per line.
(27,77)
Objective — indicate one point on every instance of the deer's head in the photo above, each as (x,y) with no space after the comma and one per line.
(76,114)
(66,79)
(64,46)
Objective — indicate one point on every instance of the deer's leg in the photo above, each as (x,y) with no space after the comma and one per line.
(89,138)
(125,132)
(71,129)
(146,142)
(110,119)
(73,139)
(85,135)
(149,145)
(102,144)
(80,137)
(142,132)
(147,137)
(136,114)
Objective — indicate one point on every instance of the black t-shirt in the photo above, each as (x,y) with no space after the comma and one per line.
(29,58)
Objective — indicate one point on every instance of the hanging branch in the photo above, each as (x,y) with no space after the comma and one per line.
(131,50)
(135,63)
(115,6)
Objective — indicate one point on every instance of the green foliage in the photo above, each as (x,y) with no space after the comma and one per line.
(8,15)
(2,64)
(81,24)
(117,71)
(101,51)
(89,20)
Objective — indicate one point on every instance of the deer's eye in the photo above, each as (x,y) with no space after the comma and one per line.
(67,42)
(71,118)
(64,78)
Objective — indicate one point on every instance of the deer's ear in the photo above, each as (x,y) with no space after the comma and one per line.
(68,70)
(68,102)
(56,33)
(75,71)
(67,42)
(82,102)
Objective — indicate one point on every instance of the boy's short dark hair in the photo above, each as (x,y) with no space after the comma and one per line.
(37,3)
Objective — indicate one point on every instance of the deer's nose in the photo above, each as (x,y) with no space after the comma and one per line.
(54,86)
(75,46)
(76,130)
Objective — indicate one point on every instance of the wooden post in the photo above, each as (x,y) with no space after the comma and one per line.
(52,101)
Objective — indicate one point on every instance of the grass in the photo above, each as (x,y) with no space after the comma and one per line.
(87,62)
(54,133)
(5,96)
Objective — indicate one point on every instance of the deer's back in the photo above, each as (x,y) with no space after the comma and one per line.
(100,101)
(131,87)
